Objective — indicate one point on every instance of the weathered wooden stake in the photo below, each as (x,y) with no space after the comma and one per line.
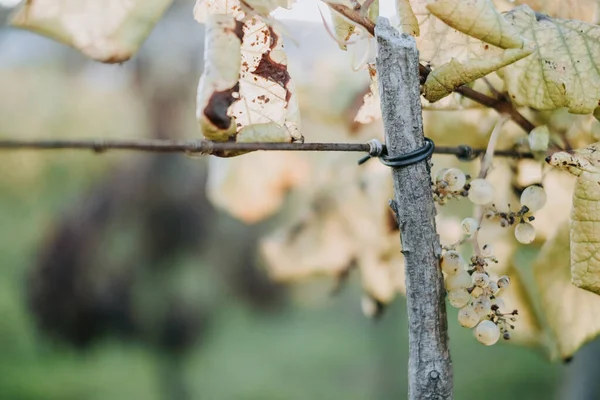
(429,364)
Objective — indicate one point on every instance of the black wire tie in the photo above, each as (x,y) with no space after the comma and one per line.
(376,149)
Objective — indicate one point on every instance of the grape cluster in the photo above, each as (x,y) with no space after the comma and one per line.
(475,293)
(450,183)
(469,286)
(533,199)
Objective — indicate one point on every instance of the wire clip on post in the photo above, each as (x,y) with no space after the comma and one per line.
(376,149)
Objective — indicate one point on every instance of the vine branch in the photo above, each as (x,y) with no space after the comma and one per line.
(208,147)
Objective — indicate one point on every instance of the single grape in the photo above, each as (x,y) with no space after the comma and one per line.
(533,197)
(467,317)
(487,332)
(503,281)
(480,279)
(452,262)
(487,250)
(499,303)
(493,286)
(469,226)
(482,306)
(525,232)
(460,280)
(455,178)
(539,138)
(481,192)
(459,298)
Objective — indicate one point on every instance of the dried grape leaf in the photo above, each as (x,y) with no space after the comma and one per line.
(571,313)
(585,219)
(219,84)
(239,10)
(342,28)
(408,21)
(370,111)
(563,71)
(478,19)
(254,187)
(464,58)
(450,76)
(348,222)
(256,100)
(109,31)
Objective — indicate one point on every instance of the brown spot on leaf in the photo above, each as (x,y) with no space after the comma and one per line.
(239,30)
(218,104)
(274,72)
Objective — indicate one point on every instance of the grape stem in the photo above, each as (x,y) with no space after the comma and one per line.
(486,163)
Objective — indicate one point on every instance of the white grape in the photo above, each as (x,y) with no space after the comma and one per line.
(533,197)
(459,298)
(482,306)
(452,262)
(460,280)
(469,226)
(499,303)
(525,232)
(481,192)
(487,250)
(493,286)
(539,138)
(487,332)
(455,178)
(467,317)
(480,279)
(503,281)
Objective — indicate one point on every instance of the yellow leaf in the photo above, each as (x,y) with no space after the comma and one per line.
(408,20)
(448,77)
(585,219)
(479,19)
(563,71)
(109,31)
(439,43)
(342,28)
(570,313)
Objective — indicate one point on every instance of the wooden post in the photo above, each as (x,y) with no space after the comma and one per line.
(429,364)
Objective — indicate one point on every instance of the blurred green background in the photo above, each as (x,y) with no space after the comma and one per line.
(118,279)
